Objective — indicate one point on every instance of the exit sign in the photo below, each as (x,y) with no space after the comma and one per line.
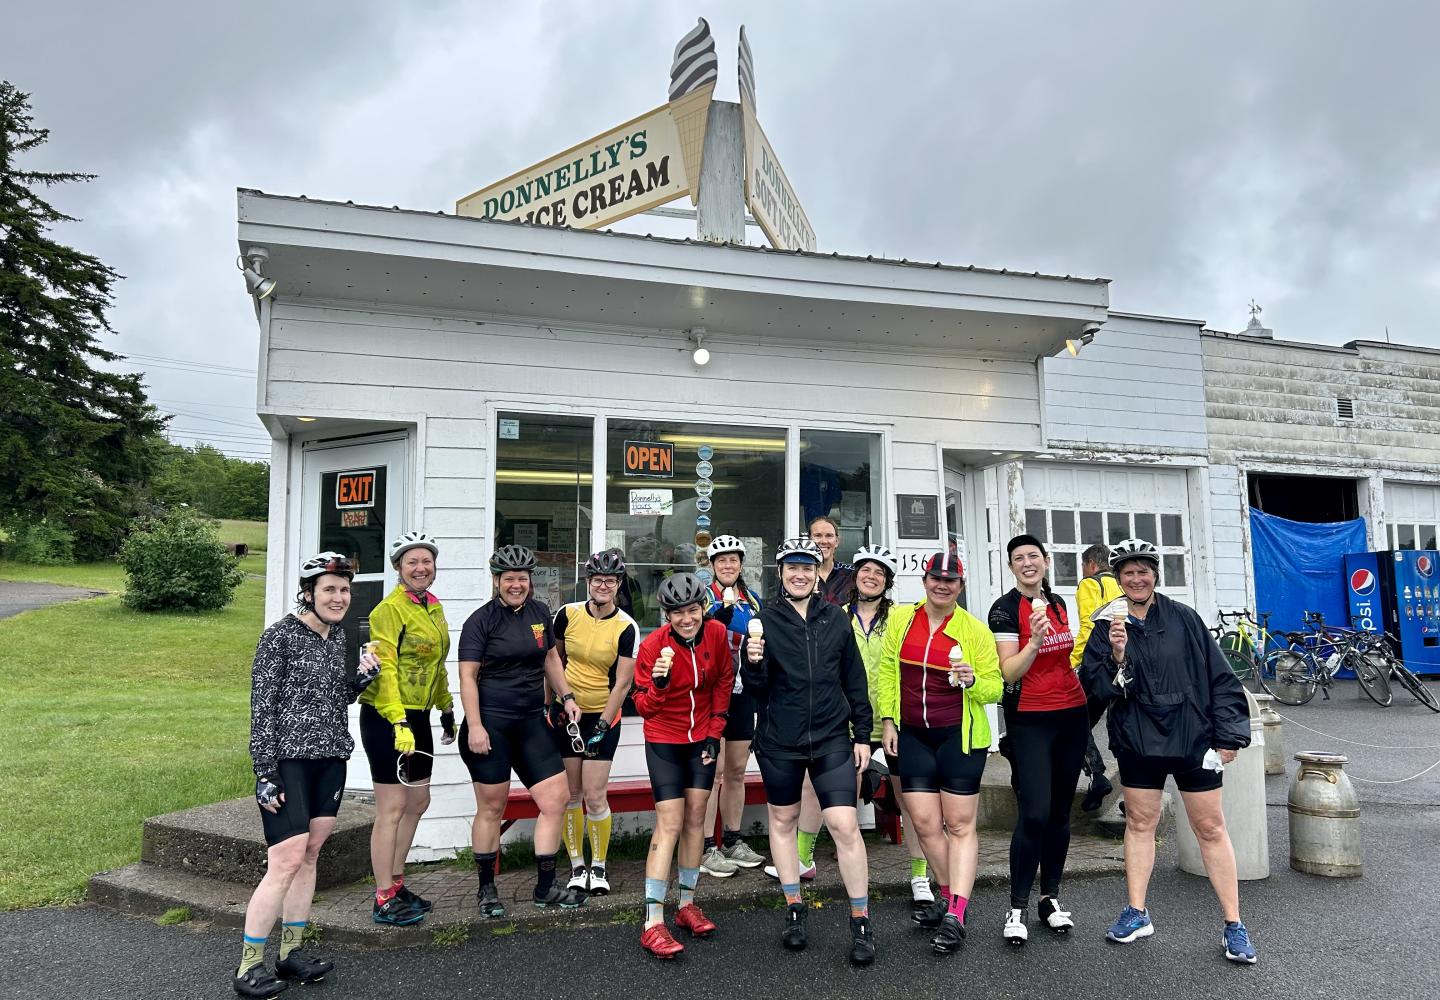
(355,489)
(653,459)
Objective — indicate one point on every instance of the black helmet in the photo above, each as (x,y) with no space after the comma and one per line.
(607,563)
(680,590)
(512,557)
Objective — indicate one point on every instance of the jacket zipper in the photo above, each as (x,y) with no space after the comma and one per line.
(694,685)
(810,686)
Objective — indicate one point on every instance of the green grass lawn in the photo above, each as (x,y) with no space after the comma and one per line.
(112,716)
(252,533)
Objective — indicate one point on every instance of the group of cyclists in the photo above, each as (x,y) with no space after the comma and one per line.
(813,681)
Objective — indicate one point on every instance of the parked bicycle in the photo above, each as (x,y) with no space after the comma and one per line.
(1246,640)
(1313,658)
(1381,653)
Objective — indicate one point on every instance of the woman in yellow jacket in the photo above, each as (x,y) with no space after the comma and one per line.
(938,669)
(411,639)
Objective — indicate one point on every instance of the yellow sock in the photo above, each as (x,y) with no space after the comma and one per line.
(291,935)
(599,829)
(251,955)
(574,837)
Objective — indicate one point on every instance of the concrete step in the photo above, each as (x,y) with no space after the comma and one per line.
(225,841)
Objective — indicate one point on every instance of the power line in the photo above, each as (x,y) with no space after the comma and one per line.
(202,405)
(193,364)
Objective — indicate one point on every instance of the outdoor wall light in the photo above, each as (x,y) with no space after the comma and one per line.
(701,357)
(1087,336)
(252,266)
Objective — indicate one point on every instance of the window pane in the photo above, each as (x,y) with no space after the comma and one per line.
(1171,529)
(1405,536)
(745,496)
(1427,535)
(1091,530)
(543,470)
(1145,528)
(1062,523)
(840,478)
(1035,524)
(352,516)
(1174,571)
(1064,569)
(1119,526)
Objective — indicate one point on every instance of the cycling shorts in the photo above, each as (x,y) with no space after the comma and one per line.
(522,745)
(892,761)
(740,724)
(377,736)
(831,775)
(934,760)
(1150,772)
(312,791)
(674,767)
(606,749)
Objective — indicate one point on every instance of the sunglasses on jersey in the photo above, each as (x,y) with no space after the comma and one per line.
(572,729)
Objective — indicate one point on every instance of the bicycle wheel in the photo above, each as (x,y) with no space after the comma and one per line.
(1289,677)
(1241,663)
(1373,674)
(1414,685)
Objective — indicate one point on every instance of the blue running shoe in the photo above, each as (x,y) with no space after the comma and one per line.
(1132,924)
(1237,943)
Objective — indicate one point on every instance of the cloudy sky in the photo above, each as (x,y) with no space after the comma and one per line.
(1198,155)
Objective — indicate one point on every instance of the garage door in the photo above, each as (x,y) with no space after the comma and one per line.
(1412,513)
(1072,507)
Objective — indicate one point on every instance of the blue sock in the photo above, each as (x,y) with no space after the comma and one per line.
(792,891)
(655,889)
(860,906)
(688,878)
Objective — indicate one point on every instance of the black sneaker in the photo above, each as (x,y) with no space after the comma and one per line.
(948,938)
(794,936)
(1099,788)
(565,899)
(929,915)
(258,981)
(300,967)
(395,912)
(417,901)
(488,899)
(862,941)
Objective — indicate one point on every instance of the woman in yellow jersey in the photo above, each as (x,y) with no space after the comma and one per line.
(597,642)
(411,639)
(869,608)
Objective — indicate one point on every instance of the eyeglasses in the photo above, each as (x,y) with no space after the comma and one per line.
(604,583)
(572,729)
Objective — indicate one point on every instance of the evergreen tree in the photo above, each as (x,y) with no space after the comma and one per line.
(76,443)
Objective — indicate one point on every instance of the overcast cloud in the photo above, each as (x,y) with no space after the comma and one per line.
(1199,156)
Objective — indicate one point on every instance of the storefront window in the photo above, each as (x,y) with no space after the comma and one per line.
(671,487)
(840,477)
(543,497)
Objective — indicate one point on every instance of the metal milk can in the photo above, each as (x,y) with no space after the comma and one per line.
(1274,735)
(1324,817)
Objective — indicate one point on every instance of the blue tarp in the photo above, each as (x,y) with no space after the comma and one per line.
(1300,567)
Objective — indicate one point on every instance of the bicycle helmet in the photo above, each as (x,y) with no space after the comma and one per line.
(607,563)
(512,557)
(681,590)
(944,566)
(877,554)
(799,549)
(723,544)
(412,540)
(1134,548)
(327,562)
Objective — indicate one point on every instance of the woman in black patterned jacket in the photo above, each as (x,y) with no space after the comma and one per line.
(299,741)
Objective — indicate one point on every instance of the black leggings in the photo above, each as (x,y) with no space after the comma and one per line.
(832,776)
(1046,751)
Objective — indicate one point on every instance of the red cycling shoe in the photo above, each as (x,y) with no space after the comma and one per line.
(658,942)
(691,919)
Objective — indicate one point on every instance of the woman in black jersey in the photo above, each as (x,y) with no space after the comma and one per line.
(1047,728)
(507,653)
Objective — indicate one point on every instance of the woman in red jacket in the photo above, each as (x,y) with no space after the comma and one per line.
(684,673)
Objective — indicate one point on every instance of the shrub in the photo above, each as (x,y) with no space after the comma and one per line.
(40,542)
(177,563)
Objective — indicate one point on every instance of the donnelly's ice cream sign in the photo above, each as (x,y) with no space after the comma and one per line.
(636,166)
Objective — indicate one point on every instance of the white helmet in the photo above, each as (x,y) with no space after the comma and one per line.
(877,554)
(1134,548)
(412,540)
(327,562)
(723,544)
(799,549)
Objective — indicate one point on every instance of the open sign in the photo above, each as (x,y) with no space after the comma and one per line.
(355,489)
(653,459)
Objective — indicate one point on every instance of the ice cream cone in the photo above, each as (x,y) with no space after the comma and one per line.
(691,113)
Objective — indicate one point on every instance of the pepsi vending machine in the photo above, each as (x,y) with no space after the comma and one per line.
(1399,592)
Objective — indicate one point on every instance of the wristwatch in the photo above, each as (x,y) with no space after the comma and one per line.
(567,696)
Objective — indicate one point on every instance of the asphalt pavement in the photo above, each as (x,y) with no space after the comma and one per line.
(17,596)
(1317,938)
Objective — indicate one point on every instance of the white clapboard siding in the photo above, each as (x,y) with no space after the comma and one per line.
(1229,566)
(1138,386)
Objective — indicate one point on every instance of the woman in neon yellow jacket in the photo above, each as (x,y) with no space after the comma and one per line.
(411,639)
(938,670)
